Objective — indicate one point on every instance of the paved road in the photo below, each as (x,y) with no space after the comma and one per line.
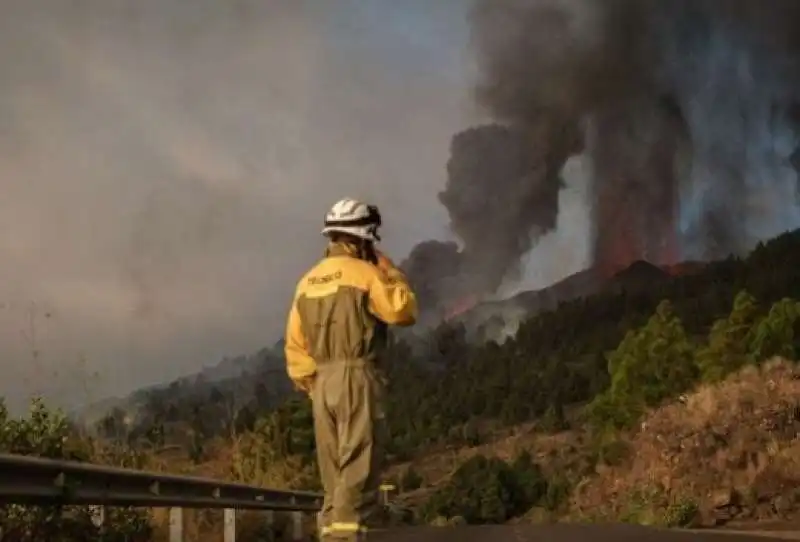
(557,533)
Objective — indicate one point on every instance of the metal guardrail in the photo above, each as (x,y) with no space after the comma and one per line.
(36,481)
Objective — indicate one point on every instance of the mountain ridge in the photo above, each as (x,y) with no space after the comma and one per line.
(488,320)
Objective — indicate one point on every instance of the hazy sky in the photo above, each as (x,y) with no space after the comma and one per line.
(165,166)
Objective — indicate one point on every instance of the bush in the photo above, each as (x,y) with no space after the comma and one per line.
(608,448)
(489,490)
(558,491)
(652,506)
(649,365)
(410,480)
(728,344)
(774,335)
(48,433)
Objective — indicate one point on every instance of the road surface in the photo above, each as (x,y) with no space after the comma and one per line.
(562,533)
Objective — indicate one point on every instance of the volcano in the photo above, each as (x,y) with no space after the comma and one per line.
(637,276)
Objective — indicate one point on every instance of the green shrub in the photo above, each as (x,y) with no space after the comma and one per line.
(652,506)
(774,335)
(410,480)
(728,346)
(48,433)
(608,448)
(649,365)
(489,490)
(558,491)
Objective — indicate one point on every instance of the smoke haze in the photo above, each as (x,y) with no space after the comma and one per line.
(165,166)
(679,96)
(687,111)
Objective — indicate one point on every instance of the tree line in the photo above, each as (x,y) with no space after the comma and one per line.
(615,354)
(448,388)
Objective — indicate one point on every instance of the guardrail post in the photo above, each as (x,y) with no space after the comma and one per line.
(176,524)
(98,514)
(297,525)
(229,520)
(37,481)
(385,491)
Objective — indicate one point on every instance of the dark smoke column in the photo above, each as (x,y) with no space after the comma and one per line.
(590,68)
(434,269)
(501,196)
(636,152)
(680,98)
(549,67)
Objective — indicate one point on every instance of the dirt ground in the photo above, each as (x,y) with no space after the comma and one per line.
(727,454)
(732,451)
(561,533)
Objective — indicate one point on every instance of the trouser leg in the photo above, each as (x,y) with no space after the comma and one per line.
(360,416)
(325,434)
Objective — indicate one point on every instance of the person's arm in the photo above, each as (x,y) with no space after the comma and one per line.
(391,298)
(299,365)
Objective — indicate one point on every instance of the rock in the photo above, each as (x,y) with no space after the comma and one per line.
(722,516)
(764,510)
(747,512)
(725,505)
(709,520)
(727,497)
(782,505)
(398,515)
(539,515)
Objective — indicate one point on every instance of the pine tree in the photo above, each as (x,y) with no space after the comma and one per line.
(775,333)
(649,365)
(727,349)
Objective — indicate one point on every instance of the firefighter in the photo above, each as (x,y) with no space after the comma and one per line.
(336,330)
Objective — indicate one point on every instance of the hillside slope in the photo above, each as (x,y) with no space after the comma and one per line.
(558,353)
(239,375)
(731,451)
(722,454)
(255,381)
(453,399)
(495,320)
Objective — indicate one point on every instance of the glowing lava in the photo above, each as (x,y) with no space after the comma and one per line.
(638,153)
(461,306)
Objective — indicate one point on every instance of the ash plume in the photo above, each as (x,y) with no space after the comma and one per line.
(161,161)
(687,110)
(680,96)
(434,267)
(501,195)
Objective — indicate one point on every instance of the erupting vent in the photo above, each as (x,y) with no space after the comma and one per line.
(460,307)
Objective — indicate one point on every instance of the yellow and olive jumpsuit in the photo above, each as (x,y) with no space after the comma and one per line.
(335,333)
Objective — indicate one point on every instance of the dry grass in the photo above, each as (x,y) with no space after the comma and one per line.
(735,439)
(739,438)
(557,454)
(243,459)
(741,435)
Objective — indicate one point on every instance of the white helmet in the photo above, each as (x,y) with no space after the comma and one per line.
(355,218)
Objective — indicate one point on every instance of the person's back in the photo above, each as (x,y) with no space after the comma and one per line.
(335,335)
